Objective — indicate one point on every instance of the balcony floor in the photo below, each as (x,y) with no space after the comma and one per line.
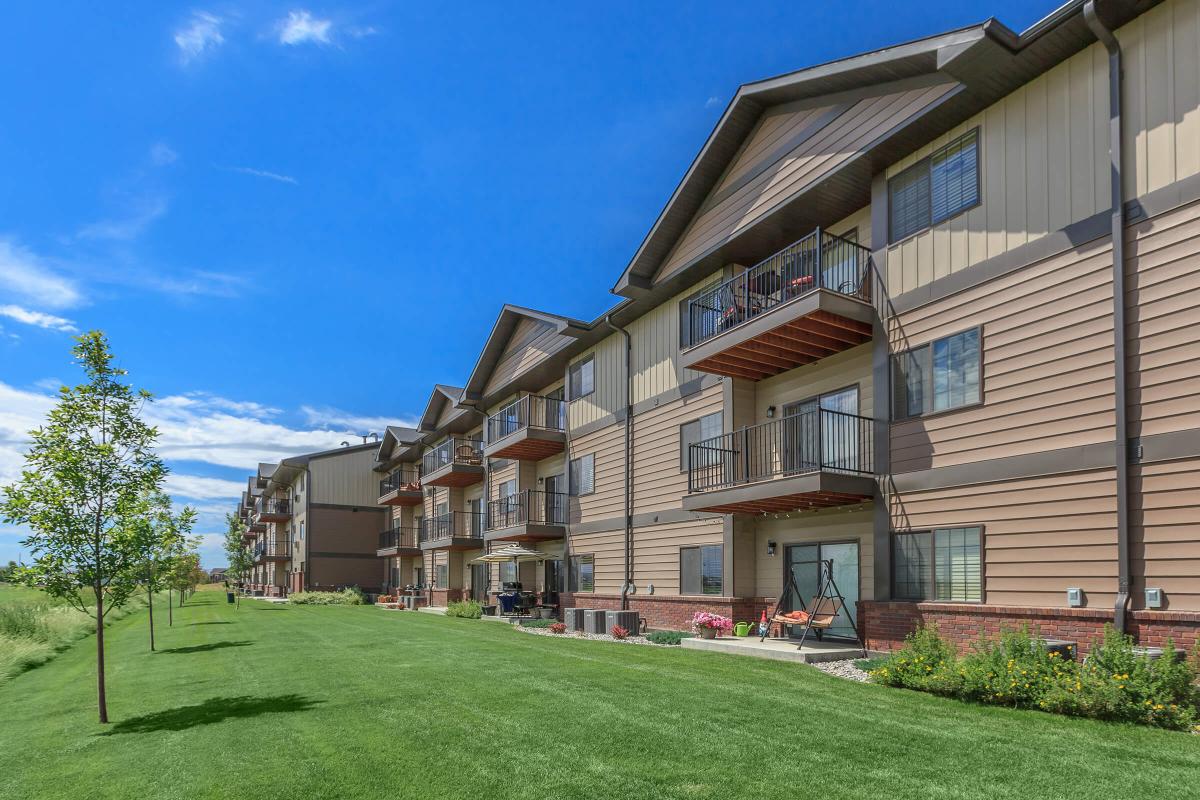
(455,476)
(794,493)
(453,543)
(526,532)
(527,444)
(397,497)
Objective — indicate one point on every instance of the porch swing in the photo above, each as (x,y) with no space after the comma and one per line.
(820,614)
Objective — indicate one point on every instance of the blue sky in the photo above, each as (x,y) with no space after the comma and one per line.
(292,220)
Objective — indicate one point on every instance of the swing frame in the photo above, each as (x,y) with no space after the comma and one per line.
(827,589)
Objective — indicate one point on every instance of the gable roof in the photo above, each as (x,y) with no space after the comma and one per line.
(395,446)
(495,346)
(982,62)
(442,398)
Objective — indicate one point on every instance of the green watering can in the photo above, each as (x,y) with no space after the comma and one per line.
(741,629)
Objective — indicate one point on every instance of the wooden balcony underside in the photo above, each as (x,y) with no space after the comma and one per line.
(527,444)
(788,336)
(455,476)
(527,532)
(797,493)
(453,543)
(275,516)
(401,497)
(404,552)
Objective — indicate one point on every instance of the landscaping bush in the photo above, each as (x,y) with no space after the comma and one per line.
(537,623)
(618,632)
(1015,669)
(467,609)
(346,597)
(558,627)
(667,637)
(386,598)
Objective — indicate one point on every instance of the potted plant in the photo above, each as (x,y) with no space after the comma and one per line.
(709,626)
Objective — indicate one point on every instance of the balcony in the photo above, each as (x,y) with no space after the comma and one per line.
(527,516)
(399,541)
(401,488)
(456,530)
(273,550)
(454,463)
(256,526)
(807,302)
(529,429)
(810,460)
(274,510)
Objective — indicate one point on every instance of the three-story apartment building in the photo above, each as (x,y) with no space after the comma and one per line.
(923,312)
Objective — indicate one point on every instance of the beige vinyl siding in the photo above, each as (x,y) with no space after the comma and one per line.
(344,479)
(847,368)
(608,551)
(499,476)
(774,128)
(656,552)
(1162,258)
(1164,518)
(658,483)
(1044,148)
(838,525)
(1047,364)
(609,374)
(608,447)
(1041,535)
(655,346)
(859,223)
(532,342)
(840,141)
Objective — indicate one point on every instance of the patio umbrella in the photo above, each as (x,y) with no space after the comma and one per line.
(513,553)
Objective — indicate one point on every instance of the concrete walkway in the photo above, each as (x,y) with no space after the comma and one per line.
(779,649)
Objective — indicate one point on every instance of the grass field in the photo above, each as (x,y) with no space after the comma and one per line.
(330,702)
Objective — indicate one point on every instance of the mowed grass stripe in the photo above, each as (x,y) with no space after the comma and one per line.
(273,701)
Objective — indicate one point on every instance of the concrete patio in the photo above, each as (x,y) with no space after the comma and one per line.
(814,652)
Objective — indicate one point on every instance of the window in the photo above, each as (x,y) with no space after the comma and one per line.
(582,378)
(935,188)
(938,376)
(942,564)
(583,475)
(507,489)
(508,572)
(443,576)
(582,574)
(699,430)
(700,570)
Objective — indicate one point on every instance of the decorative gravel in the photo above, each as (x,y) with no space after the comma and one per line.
(844,669)
(595,637)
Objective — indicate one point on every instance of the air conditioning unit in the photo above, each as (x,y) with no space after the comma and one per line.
(626,619)
(573,618)
(594,620)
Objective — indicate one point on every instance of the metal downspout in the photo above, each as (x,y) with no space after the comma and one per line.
(1116,153)
(565,577)
(628,582)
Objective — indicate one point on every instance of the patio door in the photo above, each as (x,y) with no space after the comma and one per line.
(479,580)
(813,441)
(556,505)
(801,562)
(475,507)
(840,270)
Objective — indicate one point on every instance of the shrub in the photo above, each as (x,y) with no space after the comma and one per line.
(537,623)
(386,598)
(558,627)
(1016,669)
(467,609)
(667,637)
(346,597)
(354,596)
(705,619)
(618,632)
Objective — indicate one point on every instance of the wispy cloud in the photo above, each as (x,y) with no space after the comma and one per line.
(327,417)
(161,155)
(196,487)
(30,278)
(301,27)
(201,35)
(143,211)
(712,101)
(38,319)
(262,173)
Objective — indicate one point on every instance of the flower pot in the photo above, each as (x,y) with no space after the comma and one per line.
(708,633)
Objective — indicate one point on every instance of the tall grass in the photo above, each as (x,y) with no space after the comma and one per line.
(33,631)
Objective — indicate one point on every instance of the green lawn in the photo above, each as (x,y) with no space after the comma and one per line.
(328,702)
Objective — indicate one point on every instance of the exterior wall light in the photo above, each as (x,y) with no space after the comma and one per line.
(770,548)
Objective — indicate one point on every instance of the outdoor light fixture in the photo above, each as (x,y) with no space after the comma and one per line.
(770,548)
(770,412)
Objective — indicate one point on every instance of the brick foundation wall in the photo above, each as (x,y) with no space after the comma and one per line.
(668,612)
(885,624)
(443,597)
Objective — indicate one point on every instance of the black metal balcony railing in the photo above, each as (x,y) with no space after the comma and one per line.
(818,261)
(274,507)
(530,411)
(453,451)
(398,537)
(273,548)
(405,477)
(810,441)
(455,524)
(527,507)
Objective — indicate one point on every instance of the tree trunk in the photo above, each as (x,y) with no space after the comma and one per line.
(102,700)
(170,613)
(150,599)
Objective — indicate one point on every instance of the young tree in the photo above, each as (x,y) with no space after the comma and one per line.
(162,538)
(180,576)
(240,561)
(85,474)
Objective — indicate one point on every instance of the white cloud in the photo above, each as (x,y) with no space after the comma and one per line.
(262,173)
(327,418)
(196,487)
(38,319)
(301,27)
(361,31)
(161,155)
(712,101)
(143,211)
(201,35)
(28,277)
